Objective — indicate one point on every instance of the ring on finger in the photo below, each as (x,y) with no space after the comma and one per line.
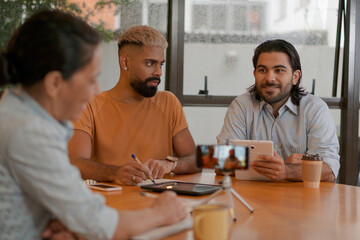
(134,178)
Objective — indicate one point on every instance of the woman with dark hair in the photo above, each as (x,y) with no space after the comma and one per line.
(53,61)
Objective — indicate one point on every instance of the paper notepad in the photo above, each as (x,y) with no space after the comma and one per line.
(146,182)
(165,231)
(149,182)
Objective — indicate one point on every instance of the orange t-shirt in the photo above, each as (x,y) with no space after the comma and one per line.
(145,128)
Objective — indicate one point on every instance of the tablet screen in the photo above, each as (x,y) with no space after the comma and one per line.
(183,188)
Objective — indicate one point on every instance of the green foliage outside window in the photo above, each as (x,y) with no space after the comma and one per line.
(14,12)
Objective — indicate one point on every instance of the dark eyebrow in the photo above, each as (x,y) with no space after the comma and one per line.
(150,60)
(260,66)
(153,60)
(280,66)
(276,66)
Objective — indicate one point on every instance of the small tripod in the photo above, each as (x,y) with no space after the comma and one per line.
(226,186)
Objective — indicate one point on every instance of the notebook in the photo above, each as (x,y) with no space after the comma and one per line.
(157,180)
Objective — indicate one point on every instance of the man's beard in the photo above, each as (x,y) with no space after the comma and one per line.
(142,88)
(284,92)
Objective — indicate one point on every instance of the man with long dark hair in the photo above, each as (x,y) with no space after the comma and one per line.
(277,108)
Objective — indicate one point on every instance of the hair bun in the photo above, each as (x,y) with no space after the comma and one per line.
(4,79)
(10,71)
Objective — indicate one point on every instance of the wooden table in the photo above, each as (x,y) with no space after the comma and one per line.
(282,210)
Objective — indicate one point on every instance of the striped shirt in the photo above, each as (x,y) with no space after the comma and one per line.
(37,181)
(307,128)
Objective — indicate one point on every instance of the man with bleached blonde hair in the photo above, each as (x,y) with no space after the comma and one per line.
(134,118)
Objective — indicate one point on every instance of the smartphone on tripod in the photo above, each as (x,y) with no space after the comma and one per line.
(227,159)
(222,157)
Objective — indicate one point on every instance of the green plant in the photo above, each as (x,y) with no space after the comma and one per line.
(14,12)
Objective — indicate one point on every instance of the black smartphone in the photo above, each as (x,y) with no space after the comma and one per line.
(222,157)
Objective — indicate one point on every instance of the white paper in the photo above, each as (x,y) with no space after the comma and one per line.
(161,180)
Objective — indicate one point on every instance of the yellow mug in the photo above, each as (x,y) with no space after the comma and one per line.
(211,222)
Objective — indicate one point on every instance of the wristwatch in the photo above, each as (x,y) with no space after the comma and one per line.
(172,159)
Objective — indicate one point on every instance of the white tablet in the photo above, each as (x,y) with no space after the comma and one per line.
(257,148)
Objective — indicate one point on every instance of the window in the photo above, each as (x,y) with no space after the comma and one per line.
(158,16)
(226,16)
(131,14)
(222,35)
(144,12)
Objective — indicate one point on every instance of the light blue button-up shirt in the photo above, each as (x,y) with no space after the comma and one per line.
(37,180)
(307,128)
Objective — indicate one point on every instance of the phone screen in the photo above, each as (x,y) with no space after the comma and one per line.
(222,157)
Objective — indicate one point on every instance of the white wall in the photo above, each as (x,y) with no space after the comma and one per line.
(110,71)
(205,123)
